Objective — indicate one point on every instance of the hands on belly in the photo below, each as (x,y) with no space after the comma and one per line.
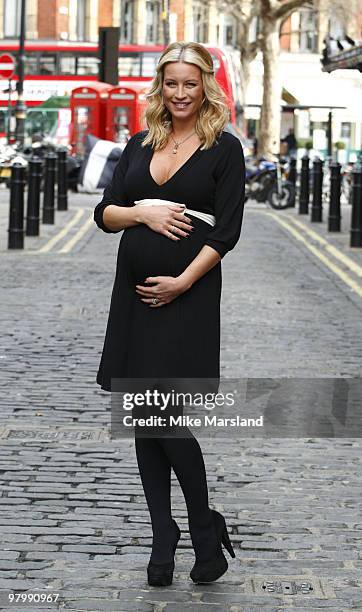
(165,217)
(162,290)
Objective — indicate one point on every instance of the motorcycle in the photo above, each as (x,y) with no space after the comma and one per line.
(40,146)
(267,181)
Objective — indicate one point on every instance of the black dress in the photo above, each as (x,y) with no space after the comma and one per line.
(180,339)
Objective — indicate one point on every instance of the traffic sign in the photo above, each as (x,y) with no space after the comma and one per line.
(7,66)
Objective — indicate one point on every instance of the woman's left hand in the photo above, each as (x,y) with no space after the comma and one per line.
(164,289)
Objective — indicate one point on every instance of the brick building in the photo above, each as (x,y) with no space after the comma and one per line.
(215,22)
(140,20)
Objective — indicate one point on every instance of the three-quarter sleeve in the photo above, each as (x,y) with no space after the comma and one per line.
(229,199)
(115,192)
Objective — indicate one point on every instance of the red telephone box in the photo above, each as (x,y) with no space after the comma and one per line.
(88,107)
(125,105)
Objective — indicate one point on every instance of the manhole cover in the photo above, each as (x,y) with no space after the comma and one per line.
(52,434)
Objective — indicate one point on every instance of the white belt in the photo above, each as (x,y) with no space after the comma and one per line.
(210,219)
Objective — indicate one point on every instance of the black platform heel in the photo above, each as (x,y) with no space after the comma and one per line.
(208,571)
(161,574)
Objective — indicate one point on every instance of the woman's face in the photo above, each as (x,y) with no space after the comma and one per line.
(182,89)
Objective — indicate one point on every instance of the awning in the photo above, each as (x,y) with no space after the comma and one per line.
(325,91)
(305,84)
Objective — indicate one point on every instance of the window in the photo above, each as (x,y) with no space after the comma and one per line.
(12,11)
(47,63)
(200,22)
(137,64)
(153,18)
(126,33)
(31,63)
(83,126)
(67,64)
(87,65)
(345,130)
(230,30)
(149,63)
(81,19)
(129,64)
(308,31)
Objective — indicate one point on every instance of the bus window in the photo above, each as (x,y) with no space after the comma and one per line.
(129,65)
(66,64)
(31,63)
(149,63)
(87,65)
(47,63)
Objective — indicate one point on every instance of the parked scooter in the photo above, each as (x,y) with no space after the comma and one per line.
(40,146)
(267,181)
(9,155)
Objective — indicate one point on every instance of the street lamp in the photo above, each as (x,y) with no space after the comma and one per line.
(20,108)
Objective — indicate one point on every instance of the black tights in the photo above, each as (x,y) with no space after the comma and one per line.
(155,457)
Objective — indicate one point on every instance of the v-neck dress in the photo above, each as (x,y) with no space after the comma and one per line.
(179,340)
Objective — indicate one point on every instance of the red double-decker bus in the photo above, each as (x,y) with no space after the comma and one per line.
(55,68)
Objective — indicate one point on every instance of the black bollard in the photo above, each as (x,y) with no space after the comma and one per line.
(317,190)
(334,215)
(16,211)
(35,171)
(304,186)
(292,176)
(49,184)
(356,221)
(62,180)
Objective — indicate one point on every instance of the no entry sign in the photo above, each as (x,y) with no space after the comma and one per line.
(7,65)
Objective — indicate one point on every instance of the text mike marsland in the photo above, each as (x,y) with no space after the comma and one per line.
(188,421)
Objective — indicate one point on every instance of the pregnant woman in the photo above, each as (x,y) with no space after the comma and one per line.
(178,194)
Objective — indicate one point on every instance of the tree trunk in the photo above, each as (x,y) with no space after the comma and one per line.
(270,118)
(245,75)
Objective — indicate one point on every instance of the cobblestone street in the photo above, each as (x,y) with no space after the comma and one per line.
(73,517)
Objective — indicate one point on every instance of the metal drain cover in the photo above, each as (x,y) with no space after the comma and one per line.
(296,586)
(52,434)
(290,587)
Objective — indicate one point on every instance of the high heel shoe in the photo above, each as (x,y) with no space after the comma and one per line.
(208,571)
(161,574)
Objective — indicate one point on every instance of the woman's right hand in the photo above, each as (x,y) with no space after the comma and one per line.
(168,220)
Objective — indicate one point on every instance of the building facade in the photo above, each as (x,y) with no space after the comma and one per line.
(140,20)
(216,22)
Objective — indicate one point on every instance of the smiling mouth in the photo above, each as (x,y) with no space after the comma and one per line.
(181,104)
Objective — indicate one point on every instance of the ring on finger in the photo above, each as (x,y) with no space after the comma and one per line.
(155,301)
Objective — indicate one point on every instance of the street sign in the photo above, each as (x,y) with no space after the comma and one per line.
(7,66)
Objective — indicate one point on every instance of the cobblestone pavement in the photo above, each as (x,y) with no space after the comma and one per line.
(73,517)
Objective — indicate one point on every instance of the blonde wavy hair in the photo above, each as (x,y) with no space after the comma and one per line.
(214,112)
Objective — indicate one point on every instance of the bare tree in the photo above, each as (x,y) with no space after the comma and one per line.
(246,11)
(272,13)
